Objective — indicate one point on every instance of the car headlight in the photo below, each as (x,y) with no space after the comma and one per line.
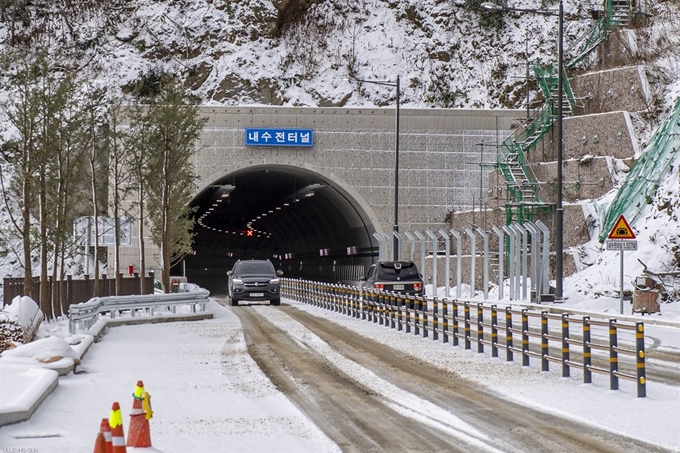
(274,281)
(237,281)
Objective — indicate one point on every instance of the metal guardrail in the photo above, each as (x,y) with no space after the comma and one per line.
(452,321)
(86,314)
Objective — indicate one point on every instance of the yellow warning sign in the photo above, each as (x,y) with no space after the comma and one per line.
(621,230)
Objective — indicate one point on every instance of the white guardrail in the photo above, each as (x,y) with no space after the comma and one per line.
(86,314)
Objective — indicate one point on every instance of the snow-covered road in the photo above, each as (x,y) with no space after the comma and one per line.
(208,393)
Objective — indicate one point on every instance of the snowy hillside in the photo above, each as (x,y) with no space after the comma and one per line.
(234,53)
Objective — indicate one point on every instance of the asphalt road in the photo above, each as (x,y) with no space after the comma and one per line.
(448,413)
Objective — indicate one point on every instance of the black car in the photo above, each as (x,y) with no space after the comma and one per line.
(395,276)
(254,280)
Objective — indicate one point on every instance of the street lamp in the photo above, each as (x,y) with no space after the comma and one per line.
(559,212)
(395,84)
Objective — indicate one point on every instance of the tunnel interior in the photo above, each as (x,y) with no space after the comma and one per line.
(306,225)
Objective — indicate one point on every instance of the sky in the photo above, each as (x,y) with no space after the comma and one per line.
(208,395)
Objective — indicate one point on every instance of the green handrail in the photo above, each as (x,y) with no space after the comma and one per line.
(513,150)
(643,180)
(547,80)
(598,34)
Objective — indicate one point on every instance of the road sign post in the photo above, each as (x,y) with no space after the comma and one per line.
(621,238)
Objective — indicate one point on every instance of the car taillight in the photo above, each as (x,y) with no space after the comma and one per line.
(418,286)
(379,286)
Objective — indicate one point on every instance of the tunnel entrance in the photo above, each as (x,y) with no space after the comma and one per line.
(304,223)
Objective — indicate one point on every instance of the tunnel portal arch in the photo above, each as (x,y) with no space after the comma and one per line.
(311,225)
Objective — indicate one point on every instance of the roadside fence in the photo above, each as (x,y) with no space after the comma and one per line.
(527,333)
(85,314)
(71,291)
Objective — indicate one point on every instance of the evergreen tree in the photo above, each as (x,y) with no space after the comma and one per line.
(173,130)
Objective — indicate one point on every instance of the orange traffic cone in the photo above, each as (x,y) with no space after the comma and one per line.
(140,435)
(117,434)
(100,443)
(105,430)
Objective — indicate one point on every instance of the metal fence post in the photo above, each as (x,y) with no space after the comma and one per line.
(423,246)
(423,305)
(393,316)
(459,271)
(501,260)
(511,259)
(535,258)
(408,316)
(473,260)
(454,315)
(508,334)
(435,320)
(445,321)
(467,325)
(545,261)
(587,357)
(640,359)
(525,338)
(613,356)
(400,248)
(400,305)
(565,345)
(381,245)
(412,245)
(494,331)
(525,260)
(416,320)
(545,352)
(447,263)
(480,328)
(518,260)
(435,249)
(485,275)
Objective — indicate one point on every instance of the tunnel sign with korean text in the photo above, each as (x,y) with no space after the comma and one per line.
(279,137)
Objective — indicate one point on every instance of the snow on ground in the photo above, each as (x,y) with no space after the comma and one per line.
(209,395)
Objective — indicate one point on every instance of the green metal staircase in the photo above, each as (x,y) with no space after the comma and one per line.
(522,186)
(617,13)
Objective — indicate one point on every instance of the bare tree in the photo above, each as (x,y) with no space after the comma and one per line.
(98,169)
(23,111)
(121,176)
(138,136)
(67,174)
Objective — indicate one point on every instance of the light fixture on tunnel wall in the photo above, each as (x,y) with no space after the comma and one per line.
(286,202)
(222,193)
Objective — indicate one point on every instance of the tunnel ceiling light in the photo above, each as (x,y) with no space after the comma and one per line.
(223,192)
(305,192)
